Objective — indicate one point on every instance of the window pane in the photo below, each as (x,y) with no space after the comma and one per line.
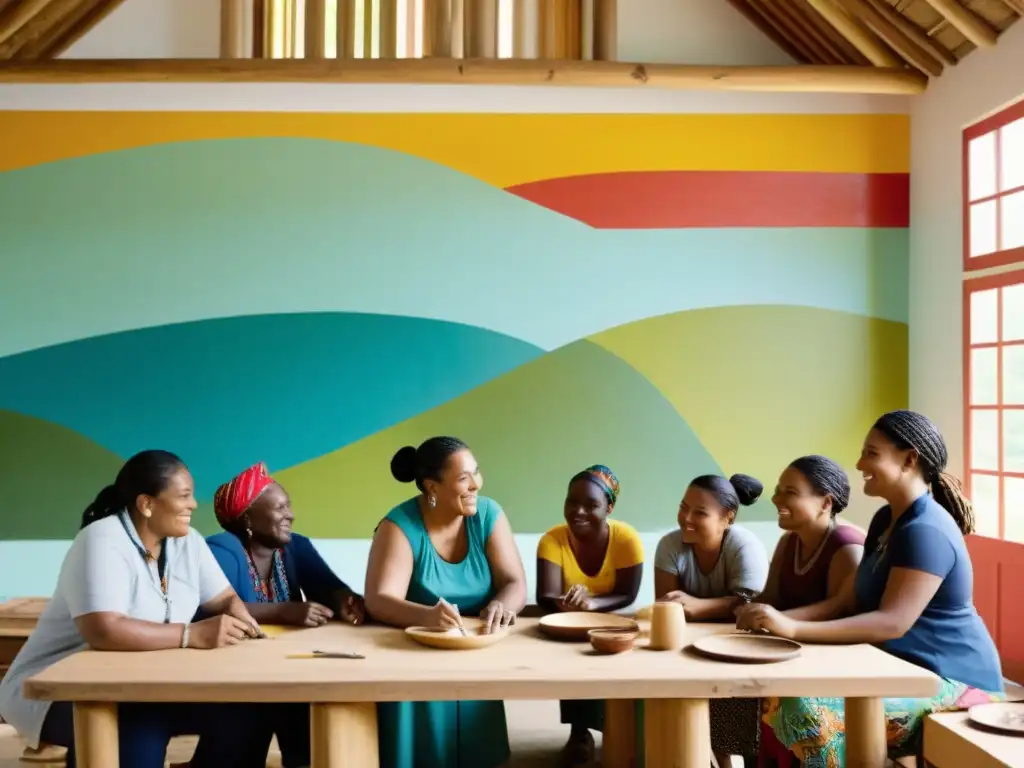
(1011,225)
(981,166)
(1013,374)
(985,440)
(1013,313)
(984,376)
(984,315)
(1013,441)
(985,500)
(983,228)
(1013,510)
(1012,154)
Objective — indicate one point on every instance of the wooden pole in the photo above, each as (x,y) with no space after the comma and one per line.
(526,29)
(315,31)
(437,28)
(481,29)
(232,29)
(346,29)
(388,29)
(606,30)
(604,74)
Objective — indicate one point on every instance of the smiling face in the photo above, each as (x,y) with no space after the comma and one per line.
(270,517)
(798,504)
(885,467)
(459,485)
(169,513)
(586,508)
(702,520)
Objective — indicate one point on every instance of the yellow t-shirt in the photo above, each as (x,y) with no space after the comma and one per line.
(624,551)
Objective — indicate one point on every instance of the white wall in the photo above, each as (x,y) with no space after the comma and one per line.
(654,31)
(984,82)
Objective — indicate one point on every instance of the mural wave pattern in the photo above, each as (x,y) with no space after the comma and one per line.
(316,303)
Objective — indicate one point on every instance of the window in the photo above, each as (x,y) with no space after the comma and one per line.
(993,159)
(994,390)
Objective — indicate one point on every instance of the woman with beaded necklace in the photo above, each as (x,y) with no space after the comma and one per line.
(910,596)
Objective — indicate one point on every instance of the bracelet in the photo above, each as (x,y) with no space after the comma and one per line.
(184,637)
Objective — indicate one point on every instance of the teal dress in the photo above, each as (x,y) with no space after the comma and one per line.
(445,734)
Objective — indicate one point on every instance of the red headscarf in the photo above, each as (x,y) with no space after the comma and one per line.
(234,497)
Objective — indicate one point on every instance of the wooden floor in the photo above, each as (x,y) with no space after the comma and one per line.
(536,735)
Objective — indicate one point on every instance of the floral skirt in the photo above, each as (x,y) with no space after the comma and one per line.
(813,730)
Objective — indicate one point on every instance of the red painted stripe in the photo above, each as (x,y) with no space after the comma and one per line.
(682,199)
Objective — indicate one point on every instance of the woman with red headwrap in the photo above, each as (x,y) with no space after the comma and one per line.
(271,568)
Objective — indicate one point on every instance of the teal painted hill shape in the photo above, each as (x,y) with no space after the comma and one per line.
(185,231)
(531,430)
(226,393)
(49,475)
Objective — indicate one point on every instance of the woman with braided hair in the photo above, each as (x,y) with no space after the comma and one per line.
(910,596)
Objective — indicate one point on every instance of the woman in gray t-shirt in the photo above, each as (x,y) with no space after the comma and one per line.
(132,581)
(711,565)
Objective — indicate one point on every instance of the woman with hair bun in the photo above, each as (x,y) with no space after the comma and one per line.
(710,564)
(911,596)
(445,553)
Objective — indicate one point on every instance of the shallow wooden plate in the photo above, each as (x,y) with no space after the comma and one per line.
(1002,716)
(454,640)
(747,648)
(576,624)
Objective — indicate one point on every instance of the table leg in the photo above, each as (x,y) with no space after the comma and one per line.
(865,733)
(96,735)
(618,744)
(343,735)
(677,733)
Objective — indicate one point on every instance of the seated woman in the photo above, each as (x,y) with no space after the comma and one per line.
(280,576)
(911,596)
(710,566)
(443,553)
(816,554)
(588,563)
(132,581)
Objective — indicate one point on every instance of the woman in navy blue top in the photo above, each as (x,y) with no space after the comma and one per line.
(911,596)
(280,577)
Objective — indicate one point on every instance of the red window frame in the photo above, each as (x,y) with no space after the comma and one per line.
(999,281)
(999,257)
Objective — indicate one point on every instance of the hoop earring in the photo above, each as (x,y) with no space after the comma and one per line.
(432,501)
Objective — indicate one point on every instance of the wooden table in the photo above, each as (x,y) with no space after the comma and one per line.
(18,618)
(951,741)
(675,685)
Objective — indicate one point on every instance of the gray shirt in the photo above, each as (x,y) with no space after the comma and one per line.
(742,564)
(104,572)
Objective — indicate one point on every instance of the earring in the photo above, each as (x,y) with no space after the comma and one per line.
(147,513)
(432,501)
(248,532)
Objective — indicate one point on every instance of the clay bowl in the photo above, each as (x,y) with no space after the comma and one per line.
(574,626)
(612,640)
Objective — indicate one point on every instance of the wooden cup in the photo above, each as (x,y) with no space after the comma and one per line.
(668,627)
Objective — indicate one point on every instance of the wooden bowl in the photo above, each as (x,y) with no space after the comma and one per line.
(575,625)
(612,640)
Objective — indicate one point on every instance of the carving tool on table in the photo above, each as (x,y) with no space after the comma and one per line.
(325,655)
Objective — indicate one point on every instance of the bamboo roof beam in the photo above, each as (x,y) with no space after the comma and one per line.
(899,42)
(848,52)
(859,37)
(767,26)
(969,25)
(605,74)
(914,32)
(779,12)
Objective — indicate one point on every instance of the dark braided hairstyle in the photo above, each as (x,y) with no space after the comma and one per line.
(144,474)
(827,478)
(910,430)
(731,492)
(426,462)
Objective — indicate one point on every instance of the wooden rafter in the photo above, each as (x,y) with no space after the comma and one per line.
(43,29)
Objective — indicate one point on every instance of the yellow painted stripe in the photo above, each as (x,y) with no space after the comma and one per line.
(501,149)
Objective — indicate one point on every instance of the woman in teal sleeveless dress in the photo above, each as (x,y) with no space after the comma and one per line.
(441,555)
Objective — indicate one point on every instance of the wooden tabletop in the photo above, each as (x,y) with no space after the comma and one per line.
(951,741)
(525,665)
(18,617)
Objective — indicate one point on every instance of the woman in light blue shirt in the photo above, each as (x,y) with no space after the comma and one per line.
(132,581)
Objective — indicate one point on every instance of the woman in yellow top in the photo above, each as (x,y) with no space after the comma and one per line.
(588,563)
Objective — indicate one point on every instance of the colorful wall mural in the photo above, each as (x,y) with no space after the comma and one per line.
(666,294)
